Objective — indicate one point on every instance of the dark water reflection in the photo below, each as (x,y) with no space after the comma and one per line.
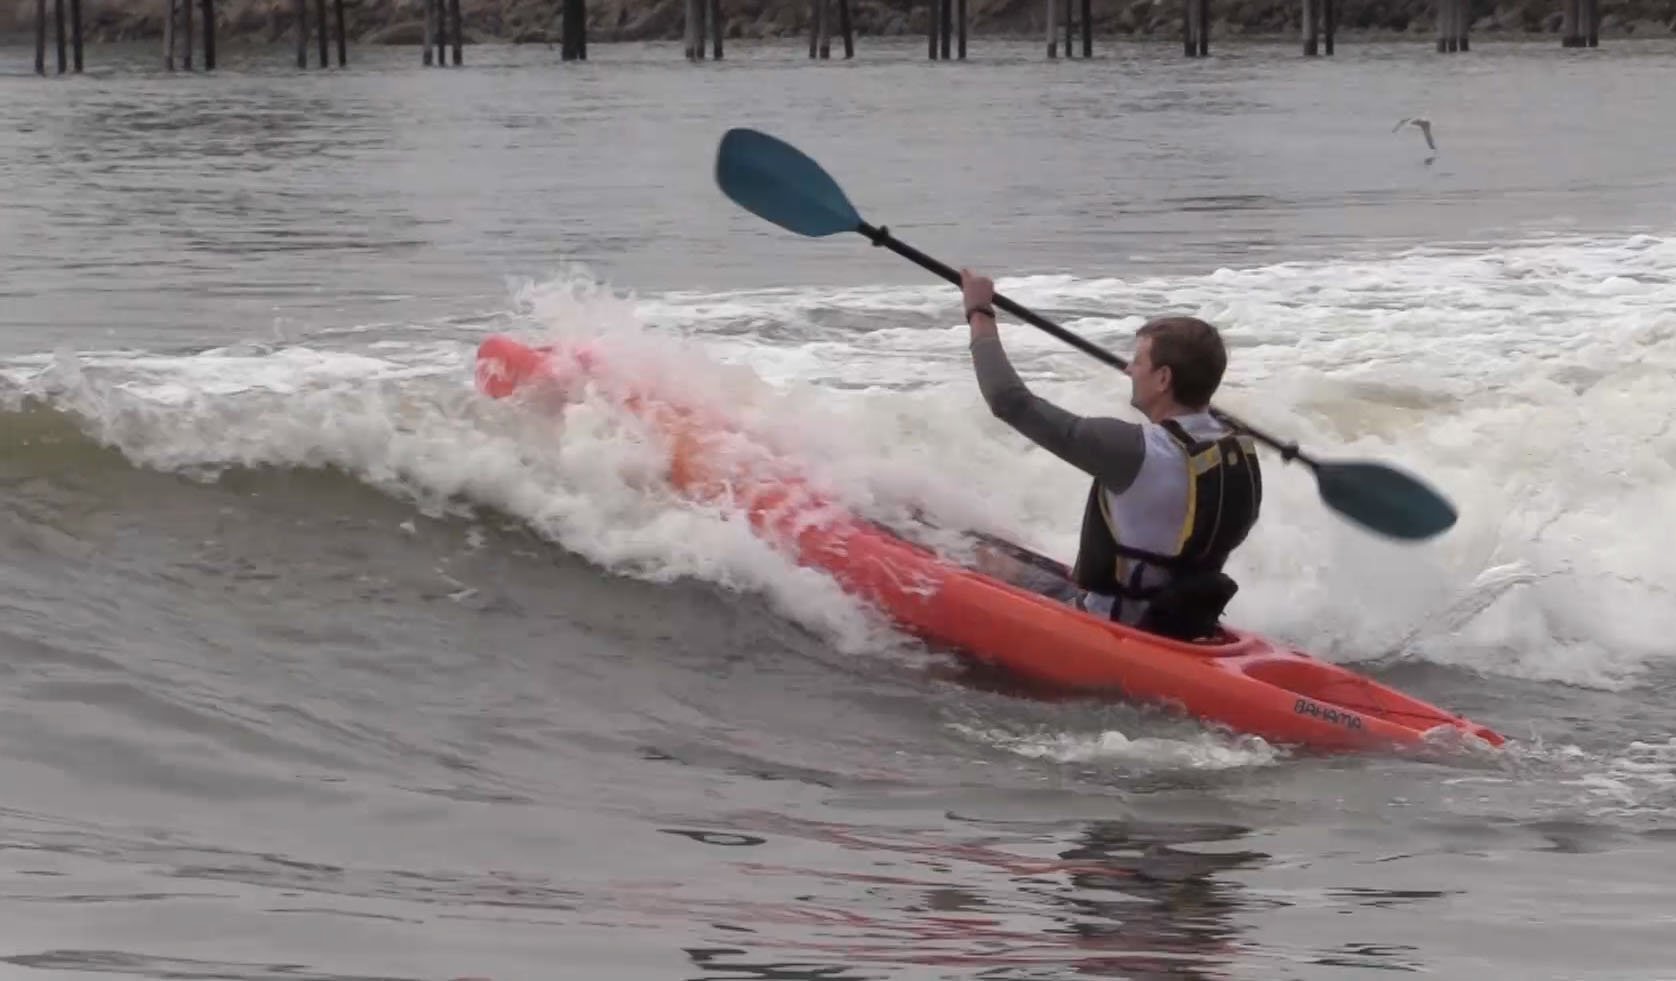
(1115,899)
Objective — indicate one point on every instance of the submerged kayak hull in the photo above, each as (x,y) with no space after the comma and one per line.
(1241,680)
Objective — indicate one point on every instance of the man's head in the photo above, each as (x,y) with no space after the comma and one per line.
(1178,363)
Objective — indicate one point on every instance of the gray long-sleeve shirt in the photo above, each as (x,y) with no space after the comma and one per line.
(1107,449)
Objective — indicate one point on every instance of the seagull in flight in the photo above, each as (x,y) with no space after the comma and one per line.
(1424,125)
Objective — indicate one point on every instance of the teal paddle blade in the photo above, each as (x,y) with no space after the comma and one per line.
(776,181)
(1384,499)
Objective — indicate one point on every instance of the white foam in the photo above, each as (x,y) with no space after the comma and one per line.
(1203,751)
(412,424)
(1640,782)
(1629,784)
(1529,382)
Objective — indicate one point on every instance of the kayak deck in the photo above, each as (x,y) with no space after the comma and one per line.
(1238,679)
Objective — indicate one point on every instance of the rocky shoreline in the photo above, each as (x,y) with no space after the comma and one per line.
(537,21)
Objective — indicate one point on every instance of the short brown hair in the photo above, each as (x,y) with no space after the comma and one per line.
(1193,351)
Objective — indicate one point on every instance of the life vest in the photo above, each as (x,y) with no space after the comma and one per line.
(1224,496)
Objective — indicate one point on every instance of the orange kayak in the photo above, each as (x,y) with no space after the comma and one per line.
(1238,679)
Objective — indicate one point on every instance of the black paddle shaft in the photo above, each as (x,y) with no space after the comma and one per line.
(881,236)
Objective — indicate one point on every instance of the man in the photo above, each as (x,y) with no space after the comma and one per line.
(1171,497)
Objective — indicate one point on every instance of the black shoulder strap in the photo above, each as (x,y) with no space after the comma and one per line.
(1179,434)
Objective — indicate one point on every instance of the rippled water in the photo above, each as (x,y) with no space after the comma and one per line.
(322,666)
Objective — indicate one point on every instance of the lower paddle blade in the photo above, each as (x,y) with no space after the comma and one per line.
(1384,499)
(774,180)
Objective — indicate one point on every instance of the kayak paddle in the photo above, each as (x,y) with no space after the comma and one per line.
(774,180)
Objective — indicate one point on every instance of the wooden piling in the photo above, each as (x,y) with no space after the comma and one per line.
(1329,24)
(575,26)
(700,12)
(58,26)
(343,35)
(825,22)
(456,29)
(814,28)
(844,27)
(960,43)
(430,32)
(40,37)
(442,33)
(186,34)
(948,28)
(1580,23)
(718,27)
(1195,18)
(1070,28)
(1052,29)
(171,11)
(209,35)
(1088,28)
(75,34)
(321,33)
(931,27)
(301,10)
(1311,26)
